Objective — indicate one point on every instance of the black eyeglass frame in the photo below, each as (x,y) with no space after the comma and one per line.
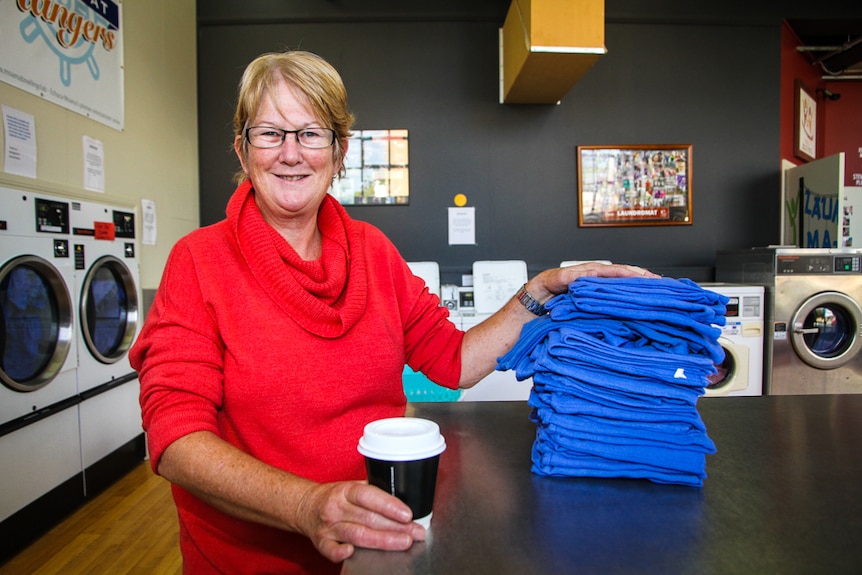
(284,134)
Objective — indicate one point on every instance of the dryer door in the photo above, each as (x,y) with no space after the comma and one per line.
(827,330)
(36,316)
(109,309)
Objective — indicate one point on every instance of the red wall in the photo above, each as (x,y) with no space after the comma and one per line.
(844,128)
(839,122)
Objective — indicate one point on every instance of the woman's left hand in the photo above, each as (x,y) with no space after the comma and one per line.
(555,281)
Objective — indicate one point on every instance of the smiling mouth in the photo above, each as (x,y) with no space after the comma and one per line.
(291,178)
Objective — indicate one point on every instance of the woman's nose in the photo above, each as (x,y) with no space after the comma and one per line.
(290,150)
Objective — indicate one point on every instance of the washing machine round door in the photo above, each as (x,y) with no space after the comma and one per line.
(109,309)
(827,330)
(732,373)
(36,315)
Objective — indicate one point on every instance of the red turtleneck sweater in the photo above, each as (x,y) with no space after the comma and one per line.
(285,359)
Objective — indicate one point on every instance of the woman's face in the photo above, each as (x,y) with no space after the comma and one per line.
(289,181)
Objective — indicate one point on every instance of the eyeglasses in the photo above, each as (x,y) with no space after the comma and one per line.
(266,137)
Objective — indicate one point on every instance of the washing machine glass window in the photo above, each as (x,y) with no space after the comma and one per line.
(36,323)
(733,376)
(724,371)
(108,309)
(826,330)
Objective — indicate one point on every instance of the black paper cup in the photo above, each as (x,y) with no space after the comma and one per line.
(401,457)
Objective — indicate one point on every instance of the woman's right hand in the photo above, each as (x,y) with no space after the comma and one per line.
(335,516)
(338,517)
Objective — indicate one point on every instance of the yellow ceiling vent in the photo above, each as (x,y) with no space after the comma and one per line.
(546,46)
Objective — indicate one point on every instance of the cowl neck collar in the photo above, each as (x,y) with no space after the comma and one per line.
(315,294)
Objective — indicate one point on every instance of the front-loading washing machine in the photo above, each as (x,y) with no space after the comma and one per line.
(741,372)
(39,430)
(107,288)
(814,315)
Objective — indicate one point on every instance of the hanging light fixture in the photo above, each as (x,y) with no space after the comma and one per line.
(546,46)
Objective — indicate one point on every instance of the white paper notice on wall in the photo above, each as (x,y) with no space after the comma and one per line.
(148,209)
(20,136)
(94,164)
(462,226)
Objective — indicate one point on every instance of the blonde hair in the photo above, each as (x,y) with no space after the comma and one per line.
(313,77)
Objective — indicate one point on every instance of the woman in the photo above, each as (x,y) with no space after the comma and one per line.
(278,333)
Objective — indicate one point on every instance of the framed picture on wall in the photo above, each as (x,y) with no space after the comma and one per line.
(804,123)
(376,170)
(634,185)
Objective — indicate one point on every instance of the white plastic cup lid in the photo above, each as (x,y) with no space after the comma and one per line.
(401,439)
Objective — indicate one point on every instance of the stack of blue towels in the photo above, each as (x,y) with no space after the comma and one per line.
(618,365)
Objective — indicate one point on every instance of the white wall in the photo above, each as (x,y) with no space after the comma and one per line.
(156,155)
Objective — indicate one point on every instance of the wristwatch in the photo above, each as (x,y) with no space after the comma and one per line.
(529,301)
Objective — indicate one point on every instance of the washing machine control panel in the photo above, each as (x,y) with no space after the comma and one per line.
(847,264)
(52,216)
(819,264)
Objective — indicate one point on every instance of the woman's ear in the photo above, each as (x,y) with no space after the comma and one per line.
(240,153)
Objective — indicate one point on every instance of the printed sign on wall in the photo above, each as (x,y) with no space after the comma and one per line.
(813,197)
(69,52)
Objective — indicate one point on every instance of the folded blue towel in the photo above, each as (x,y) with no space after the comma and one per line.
(665,294)
(652,334)
(637,388)
(698,342)
(677,322)
(601,405)
(628,335)
(552,463)
(682,458)
(560,451)
(683,291)
(563,388)
(588,427)
(618,366)
(569,350)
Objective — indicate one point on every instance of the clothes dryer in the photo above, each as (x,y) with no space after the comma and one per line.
(39,431)
(108,291)
(741,372)
(38,366)
(813,341)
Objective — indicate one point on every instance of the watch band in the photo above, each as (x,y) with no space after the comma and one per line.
(529,302)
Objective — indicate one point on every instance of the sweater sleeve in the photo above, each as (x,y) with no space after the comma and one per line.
(179,357)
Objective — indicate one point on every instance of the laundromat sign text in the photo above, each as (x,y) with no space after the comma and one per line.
(71,26)
(69,52)
(820,212)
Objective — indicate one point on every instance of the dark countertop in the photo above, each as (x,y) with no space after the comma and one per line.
(781,497)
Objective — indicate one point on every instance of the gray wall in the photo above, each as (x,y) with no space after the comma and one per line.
(695,77)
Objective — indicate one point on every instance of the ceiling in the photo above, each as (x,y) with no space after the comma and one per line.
(834,45)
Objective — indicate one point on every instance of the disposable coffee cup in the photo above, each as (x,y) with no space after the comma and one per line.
(401,458)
